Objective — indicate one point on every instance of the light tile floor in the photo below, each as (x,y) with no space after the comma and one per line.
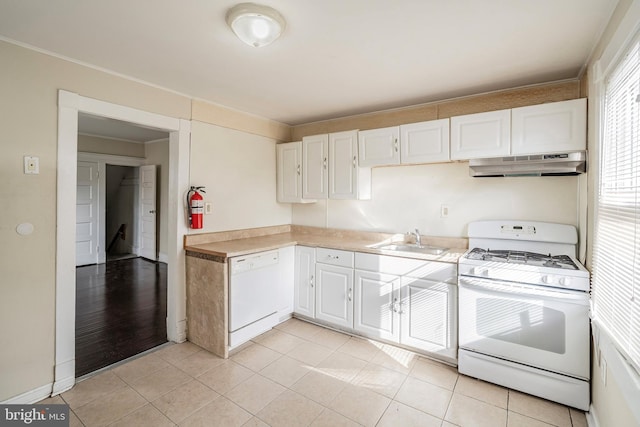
(299,374)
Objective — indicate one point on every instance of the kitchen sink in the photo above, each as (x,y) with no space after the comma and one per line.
(411,247)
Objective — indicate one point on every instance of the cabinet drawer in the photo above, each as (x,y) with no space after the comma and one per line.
(431,270)
(387,264)
(334,257)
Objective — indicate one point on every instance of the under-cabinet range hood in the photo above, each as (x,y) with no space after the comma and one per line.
(535,165)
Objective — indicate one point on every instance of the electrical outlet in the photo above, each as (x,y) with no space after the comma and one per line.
(31,165)
(444,211)
(208,208)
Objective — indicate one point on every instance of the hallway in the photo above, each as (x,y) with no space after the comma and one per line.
(121,310)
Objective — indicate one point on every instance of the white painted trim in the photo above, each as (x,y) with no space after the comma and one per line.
(179,149)
(625,375)
(592,417)
(69,105)
(102,160)
(625,33)
(110,159)
(163,257)
(31,396)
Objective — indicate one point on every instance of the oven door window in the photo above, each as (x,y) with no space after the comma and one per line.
(528,324)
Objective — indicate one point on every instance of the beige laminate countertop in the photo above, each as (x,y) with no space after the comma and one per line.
(247,245)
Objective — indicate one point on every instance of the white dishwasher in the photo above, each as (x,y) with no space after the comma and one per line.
(253,295)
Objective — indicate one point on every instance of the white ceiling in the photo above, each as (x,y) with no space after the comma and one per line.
(335,58)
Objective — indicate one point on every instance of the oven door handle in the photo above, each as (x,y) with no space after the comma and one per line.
(577,297)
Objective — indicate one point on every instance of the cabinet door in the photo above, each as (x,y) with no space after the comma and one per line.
(425,142)
(343,165)
(476,136)
(376,305)
(429,316)
(557,127)
(334,295)
(289,172)
(314,166)
(378,147)
(304,287)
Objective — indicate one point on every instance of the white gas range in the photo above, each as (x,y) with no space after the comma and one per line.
(524,310)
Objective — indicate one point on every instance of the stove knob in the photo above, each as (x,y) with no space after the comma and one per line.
(563,281)
(481,271)
(547,280)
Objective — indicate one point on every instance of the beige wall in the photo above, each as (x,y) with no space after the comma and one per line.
(408,197)
(157,153)
(29,83)
(96,144)
(238,170)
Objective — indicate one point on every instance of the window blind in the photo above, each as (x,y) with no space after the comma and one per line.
(616,250)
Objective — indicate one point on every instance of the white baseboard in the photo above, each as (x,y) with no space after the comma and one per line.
(179,334)
(592,417)
(162,257)
(30,397)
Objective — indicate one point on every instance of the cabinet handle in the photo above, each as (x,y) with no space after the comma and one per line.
(392,306)
(298,169)
(324,163)
(349,295)
(311,281)
(400,310)
(395,144)
(354,162)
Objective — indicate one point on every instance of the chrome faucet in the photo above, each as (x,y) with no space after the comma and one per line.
(416,235)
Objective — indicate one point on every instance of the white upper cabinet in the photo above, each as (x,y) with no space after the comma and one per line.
(346,179)
(289,173)
(315,164)
(481,135)
(425,142)
(378,147)
(556,127)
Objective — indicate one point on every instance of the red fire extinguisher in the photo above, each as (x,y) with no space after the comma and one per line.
(195,205)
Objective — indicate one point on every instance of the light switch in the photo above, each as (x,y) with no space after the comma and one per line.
(208,208)
(31,165)
(444,211)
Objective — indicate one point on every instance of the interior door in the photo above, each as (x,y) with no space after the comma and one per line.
(147,209)
(87,213)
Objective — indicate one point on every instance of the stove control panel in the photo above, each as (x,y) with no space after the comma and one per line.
(518,230)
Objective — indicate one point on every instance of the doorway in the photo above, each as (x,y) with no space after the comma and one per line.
(121,190)
(69,105)
(121,288)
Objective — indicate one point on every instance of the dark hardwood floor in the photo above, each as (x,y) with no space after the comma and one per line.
(121,310)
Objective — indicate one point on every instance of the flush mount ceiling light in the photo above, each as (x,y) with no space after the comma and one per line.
(255,24)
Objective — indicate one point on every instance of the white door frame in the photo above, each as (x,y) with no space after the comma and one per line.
(69,105)
(103,160)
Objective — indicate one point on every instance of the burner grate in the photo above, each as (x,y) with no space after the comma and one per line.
(523,257)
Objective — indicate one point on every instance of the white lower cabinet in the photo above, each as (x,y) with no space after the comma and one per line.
(334,295)
(376,305)
(428,319)
(304,295)
(408,301)
(334,287)
(400,300)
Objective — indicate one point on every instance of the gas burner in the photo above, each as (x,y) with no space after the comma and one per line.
(522,257)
